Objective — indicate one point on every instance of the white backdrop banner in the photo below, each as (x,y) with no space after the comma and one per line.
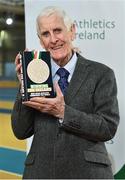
(100,37)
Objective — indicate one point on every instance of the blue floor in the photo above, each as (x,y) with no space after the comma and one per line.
(12,160)
(6,111)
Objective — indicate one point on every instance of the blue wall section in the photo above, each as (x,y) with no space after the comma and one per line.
(8,94)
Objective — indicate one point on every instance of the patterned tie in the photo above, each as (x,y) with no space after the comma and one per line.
(63,81)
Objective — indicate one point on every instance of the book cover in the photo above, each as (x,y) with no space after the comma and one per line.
(36,75)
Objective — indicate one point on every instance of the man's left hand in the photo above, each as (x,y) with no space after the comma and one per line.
(54,106)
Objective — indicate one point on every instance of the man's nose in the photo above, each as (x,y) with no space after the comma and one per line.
(53,38)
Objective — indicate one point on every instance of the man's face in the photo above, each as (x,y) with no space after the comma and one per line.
(56,38)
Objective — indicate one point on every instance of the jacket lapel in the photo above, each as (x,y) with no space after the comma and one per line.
(78,77)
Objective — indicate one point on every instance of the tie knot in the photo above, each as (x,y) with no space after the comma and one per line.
(62,72)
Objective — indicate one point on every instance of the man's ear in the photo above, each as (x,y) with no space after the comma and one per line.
(40,40)
(38,35)
(73,31)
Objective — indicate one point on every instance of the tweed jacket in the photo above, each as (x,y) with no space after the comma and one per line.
(76,148)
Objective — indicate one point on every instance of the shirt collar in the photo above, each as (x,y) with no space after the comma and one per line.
(70,66)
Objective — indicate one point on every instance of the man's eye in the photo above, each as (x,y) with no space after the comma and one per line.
(58,30)
(45,34)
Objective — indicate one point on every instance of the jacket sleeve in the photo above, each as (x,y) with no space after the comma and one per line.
(22,119)
(101,124)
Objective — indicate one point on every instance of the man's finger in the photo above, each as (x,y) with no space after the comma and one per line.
(38,99)
(57,89)
(17,59)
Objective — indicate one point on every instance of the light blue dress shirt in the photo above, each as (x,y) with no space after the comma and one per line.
(70,67)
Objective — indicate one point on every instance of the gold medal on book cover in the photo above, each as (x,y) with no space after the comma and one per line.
(36,75)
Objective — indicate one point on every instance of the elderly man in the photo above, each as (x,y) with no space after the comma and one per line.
(70,129)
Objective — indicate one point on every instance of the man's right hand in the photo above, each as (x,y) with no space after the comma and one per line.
(18,66)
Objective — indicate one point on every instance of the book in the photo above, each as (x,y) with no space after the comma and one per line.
(36,75)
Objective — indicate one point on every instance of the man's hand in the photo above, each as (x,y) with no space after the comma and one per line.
(54,106)
(18,67)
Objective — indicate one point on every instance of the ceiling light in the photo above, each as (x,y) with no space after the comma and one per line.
(9,21)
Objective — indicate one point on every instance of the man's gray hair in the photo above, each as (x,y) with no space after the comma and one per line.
(54,10)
